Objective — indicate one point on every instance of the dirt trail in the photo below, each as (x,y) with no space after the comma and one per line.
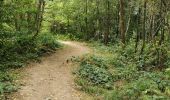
(52,78)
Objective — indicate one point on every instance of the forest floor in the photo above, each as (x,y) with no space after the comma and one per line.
(52,78)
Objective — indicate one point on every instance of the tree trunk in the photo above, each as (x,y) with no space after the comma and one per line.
(138,29)
(106,35)
(144,27)
(122,21)
(86,20)
(39,16)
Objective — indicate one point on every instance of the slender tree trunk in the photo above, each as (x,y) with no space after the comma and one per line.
(117,21)
(138,29)
(163,23)
(86,19)
(144,27)
(168,27)
(39,16)
(1,13)
(17,23)
(106,35)
(151,28)
(129,20)
(122,21)
(97,33)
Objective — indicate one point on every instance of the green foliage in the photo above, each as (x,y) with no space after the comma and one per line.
(66,37)
(93,69)
(148,85)
(7,83)
(94,60)
(18,49)
(88,87)
(127,80)
(153,57)
(26,45)
(48,41)
(95,75)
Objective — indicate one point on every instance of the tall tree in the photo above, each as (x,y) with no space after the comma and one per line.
(122,21)
(39,15)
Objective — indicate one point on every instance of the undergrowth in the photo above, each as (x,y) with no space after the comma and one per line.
(113,73)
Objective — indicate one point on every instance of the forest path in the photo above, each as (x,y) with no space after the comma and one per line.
(52,79)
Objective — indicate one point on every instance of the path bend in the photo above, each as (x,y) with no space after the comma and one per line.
(52,78)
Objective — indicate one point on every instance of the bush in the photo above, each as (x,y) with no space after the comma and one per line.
(94,60)
(7,83)
(16,51)
(153,57)
(94,70)
(96,75)
(48,41)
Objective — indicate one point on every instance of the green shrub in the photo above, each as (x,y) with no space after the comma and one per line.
(25,44)
(96,75)
(16,50)
(48,41)
(7,83)
(132,75)
(153,57)
(94,70)
(94,60)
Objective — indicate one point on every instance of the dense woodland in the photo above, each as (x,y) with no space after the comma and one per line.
(131,39)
